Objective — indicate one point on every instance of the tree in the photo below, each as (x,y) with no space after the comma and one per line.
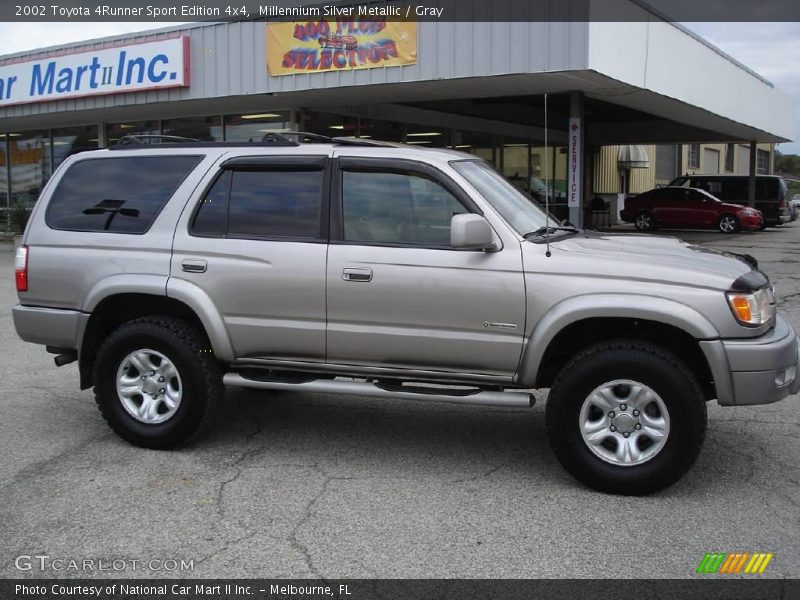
(787,163)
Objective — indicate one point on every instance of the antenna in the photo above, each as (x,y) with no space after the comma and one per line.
(546,186)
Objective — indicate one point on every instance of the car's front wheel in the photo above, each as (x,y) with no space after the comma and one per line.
(626,417)
(645,221)
(728,224)
(157,383)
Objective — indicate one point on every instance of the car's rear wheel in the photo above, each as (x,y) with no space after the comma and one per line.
(728,224)
(157,384)
(645,221)
(626,417)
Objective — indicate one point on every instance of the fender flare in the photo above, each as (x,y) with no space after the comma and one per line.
(588,306)
(195,298)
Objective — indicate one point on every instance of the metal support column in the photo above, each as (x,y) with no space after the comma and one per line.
(575,159)
(751,185)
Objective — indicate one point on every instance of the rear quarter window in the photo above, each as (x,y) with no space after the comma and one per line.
(116,195)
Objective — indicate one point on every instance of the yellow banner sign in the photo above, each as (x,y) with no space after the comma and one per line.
(339,45)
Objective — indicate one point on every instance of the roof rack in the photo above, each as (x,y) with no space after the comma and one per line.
(273,138)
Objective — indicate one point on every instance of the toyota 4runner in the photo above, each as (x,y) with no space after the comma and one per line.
(372,269)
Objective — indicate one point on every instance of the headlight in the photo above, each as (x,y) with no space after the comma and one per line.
(753,308)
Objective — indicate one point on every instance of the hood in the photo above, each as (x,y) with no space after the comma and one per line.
(735,207)
(649,257)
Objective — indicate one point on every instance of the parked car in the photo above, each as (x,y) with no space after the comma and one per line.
(687,207)
(386,271)
(795,205)
(771,193)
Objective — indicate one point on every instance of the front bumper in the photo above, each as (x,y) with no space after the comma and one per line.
(759,370)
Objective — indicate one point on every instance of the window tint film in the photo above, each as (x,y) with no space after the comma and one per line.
(275,203)
(212,216)
(119,195)
(396,208)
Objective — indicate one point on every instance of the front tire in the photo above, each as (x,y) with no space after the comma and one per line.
(157,383)
(626,417)
(645,221)
(728,224)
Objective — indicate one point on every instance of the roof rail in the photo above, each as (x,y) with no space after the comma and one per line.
(301,136)
(152,138)
(354,141)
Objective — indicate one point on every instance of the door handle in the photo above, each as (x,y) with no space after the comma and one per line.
(357,274)
(194,266)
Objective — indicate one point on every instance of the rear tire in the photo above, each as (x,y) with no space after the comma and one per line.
(728,224)
(648,391)
(157,383)
(645,221)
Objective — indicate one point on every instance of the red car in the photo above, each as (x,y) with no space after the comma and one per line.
(337,40)
(688,207)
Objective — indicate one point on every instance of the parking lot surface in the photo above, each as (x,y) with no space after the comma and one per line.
(290,485)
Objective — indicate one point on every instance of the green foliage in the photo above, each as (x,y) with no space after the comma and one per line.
(787,163)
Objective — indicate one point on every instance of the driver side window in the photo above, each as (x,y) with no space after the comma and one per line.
(396,208)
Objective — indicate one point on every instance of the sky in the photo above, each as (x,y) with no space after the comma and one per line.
(770,49)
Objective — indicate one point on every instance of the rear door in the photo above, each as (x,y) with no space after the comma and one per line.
(399,296)
(255,245)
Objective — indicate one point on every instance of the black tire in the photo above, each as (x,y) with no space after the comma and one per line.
(645,221)
(200,377)
(641,362)
(725,221)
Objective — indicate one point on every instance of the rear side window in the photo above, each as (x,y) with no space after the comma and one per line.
(283,202)
(117,195)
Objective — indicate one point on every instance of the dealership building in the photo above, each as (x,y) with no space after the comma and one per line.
(623,106)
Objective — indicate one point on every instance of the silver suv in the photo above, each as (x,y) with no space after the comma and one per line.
(372,269)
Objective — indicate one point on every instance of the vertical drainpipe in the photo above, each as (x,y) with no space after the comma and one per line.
(751,185)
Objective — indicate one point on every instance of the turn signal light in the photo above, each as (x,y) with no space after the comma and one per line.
(753,308)
(741,306)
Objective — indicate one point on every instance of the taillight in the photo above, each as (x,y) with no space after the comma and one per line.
(21,268)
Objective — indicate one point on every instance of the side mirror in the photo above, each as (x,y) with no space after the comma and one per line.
(471,232)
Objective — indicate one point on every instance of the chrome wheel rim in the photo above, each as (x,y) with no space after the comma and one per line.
(624,423)
(727,224)
(643,221)
(149,386)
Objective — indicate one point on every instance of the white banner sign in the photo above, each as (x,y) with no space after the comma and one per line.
(131,68)
(575,164)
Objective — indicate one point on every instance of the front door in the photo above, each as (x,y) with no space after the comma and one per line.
(399,296)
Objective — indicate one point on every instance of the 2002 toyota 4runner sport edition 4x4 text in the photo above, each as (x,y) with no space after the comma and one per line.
(168,271)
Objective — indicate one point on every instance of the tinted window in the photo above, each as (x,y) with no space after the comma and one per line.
(257,203)
(212,216)
(120,195)
(399,208)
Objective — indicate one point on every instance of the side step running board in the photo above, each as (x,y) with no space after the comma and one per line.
(363,388)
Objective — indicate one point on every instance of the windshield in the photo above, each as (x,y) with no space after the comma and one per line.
(519,210)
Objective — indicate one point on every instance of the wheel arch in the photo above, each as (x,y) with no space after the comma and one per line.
(577,323)
(111,311)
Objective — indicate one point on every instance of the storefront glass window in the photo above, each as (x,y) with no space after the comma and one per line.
(426,136)
(205,129)
(29,156)
(329,124)
(70,140)
(479,144)
(252,127)
(114,131)
(386,131)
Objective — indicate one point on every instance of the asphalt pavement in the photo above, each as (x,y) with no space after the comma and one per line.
(290,485)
